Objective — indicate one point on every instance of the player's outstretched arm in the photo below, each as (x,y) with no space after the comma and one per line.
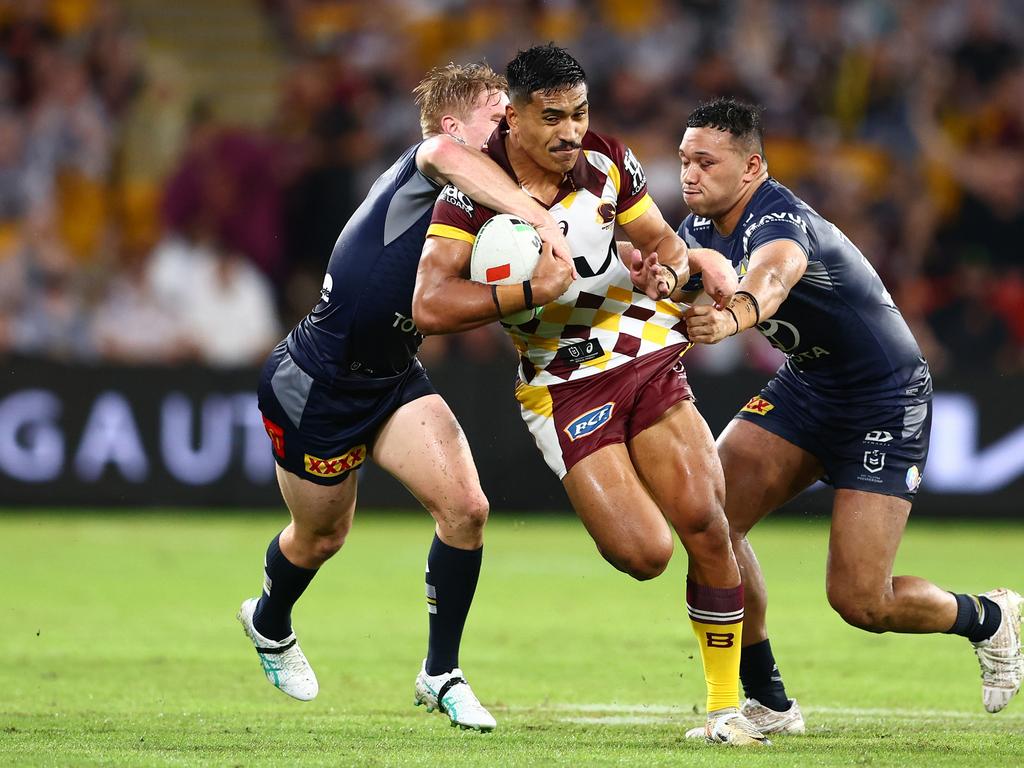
(718,275)
(656,246)
(448,161)
(773,270)
(446,301)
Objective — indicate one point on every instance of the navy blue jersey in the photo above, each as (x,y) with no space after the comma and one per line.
(363,322)
(843,335)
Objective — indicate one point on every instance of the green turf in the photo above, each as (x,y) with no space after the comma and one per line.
(119,647)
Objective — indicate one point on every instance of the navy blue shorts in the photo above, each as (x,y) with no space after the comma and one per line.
(870,447)
(322,431)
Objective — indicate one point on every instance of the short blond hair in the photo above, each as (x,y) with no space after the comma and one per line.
(453,90)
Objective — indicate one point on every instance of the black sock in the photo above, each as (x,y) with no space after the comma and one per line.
(761,678)
(451,581)
(977,618)
(283,584)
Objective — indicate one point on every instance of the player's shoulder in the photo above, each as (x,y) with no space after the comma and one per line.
(606,153)
(408,162)
(775,206)
(773,197)
(603,143)
(456,212)
(596,144)
(452,196)
(400,174)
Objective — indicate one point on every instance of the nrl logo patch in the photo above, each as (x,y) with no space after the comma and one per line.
(874,461)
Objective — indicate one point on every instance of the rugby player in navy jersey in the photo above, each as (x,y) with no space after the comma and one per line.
(345,386)
(851,406)
(602,386)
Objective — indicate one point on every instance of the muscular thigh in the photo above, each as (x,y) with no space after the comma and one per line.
(762,472)
(676,459)
(616,508)
(318,510)
(866,532)
(423,446)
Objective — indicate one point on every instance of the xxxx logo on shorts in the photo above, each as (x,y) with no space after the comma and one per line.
(758,405)
(351,459)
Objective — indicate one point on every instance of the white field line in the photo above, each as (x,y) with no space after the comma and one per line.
(639,714)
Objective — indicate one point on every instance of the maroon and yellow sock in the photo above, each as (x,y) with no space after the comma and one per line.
(716,615)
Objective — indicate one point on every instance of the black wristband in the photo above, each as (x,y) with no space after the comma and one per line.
(494,298)
(735,320)
(753,300)
(675,277)
(528,294)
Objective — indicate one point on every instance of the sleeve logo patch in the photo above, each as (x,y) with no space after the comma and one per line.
(455,196)
(589,422)
(351,459)
(635,171)
(758,405)
(785,217)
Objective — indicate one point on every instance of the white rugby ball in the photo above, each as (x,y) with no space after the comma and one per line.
(506,252)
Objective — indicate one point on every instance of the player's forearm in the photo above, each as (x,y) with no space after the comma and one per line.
(672,253)
(699,258)
(760,295)
(485,182)
(772,272)
(452,305)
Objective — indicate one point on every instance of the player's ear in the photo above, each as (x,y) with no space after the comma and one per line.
(756,165)
(510,115)
(452,126)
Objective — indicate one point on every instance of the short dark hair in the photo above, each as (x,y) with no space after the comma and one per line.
(740,119)
(545,68)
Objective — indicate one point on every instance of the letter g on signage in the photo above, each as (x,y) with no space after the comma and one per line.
(31,443)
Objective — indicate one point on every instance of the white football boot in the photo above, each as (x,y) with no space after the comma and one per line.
(283,661)
(1002,667)
(767,720)
(451,694)
(728,726)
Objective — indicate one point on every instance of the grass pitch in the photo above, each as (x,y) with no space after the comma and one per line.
(120,647)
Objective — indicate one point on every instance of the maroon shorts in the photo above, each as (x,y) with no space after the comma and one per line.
(572,420)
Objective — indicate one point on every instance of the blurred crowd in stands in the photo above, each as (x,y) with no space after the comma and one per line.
(137,225)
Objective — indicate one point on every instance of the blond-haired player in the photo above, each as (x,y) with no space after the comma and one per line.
(345,386)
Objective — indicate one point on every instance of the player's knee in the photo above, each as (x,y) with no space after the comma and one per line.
(462,523)
(326,545)
(706,533)
(859,610)
(473,511)
(738,529)
(468,515)
(642,562)
(317,545)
